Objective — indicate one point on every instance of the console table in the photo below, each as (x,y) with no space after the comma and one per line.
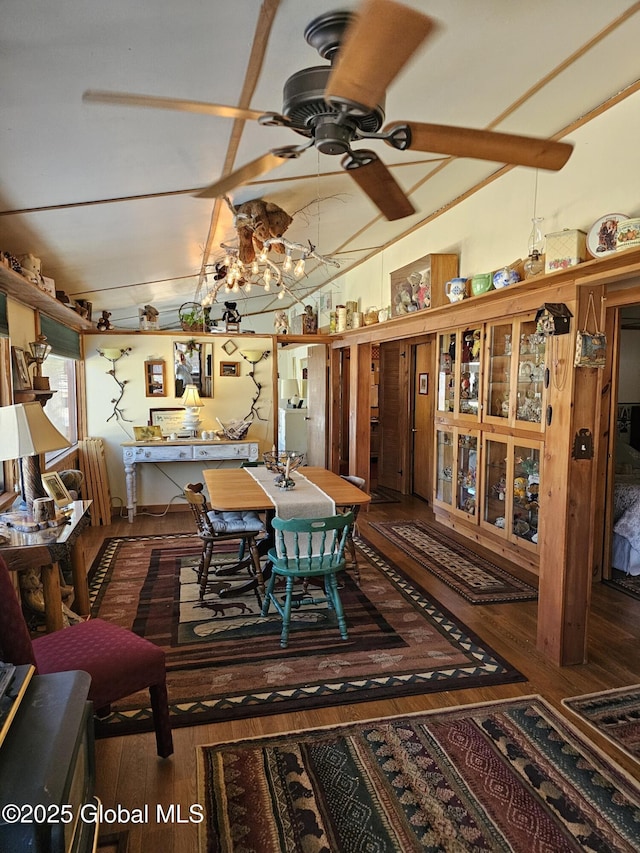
(181,450)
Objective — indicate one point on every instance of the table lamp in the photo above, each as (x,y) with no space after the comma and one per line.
(26,433)
(191,402)
(290,392)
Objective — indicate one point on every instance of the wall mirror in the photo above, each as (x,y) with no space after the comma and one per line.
(193,365)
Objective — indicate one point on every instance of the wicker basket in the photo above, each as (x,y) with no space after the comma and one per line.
(191,315)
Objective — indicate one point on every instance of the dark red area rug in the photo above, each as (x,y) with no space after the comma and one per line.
(224,659)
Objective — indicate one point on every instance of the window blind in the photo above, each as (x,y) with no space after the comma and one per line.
(64,342)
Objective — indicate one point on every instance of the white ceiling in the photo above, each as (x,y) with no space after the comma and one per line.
(104,194)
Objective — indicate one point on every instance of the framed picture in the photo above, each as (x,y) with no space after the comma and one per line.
(21,378)
(229,347)
(147,433)
(423,383)
(56,489)
(155,378)
(229,368)
(169,420)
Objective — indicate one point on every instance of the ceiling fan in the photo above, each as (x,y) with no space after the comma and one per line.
(341,103)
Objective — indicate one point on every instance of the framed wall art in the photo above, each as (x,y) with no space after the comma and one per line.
(229,347)
(229,368)
(155,374)
(21,377)
(423,383)
(169,420)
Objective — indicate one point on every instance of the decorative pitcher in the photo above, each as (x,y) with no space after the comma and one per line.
(456,289)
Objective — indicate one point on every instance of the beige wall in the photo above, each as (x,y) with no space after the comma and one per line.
(491,228)
(232,396)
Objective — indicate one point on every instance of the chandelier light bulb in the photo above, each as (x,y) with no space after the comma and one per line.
(262,257)
(298,270)
(255,267)
(281,294)
(287,264)
(247,286)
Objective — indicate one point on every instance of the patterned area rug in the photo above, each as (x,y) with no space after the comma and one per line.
(224,660)
(381,495)
(613,713)
(497,777)
(474,578)
(624,583)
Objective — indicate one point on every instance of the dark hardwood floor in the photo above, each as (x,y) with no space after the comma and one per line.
(130,775)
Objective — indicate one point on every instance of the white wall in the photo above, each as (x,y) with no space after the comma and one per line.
(491,228)
(231,399)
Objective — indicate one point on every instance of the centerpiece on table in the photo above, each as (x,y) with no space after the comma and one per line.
(283,463)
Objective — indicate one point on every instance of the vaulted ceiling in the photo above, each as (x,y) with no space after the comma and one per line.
(104,194)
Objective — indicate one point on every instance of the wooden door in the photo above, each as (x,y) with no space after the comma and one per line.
(317,413)
(393,404)
(422,428)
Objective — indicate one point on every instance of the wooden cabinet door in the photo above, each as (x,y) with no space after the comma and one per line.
(317,390)
(393,403)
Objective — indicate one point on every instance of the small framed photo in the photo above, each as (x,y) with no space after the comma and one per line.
(21,378)
(423,383)
(229,368)
(229,347)
(56,489)
(147,433)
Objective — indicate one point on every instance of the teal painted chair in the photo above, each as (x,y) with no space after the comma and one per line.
(307,548)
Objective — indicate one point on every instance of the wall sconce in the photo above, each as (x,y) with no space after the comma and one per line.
(191,402)
(254,357)
(40,349)
(114,354)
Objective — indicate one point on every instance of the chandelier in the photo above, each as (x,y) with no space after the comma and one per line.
(232,275)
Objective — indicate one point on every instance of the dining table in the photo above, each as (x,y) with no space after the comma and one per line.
(237,490)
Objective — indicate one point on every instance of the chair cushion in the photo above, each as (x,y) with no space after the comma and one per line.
(119,662)
(235,522)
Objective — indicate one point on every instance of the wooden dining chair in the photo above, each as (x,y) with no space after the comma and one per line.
(119,662)
(307,548)
(214,527)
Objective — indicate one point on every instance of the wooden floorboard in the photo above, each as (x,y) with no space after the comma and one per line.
(129,773)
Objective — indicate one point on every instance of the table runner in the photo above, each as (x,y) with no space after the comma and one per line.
(305,500)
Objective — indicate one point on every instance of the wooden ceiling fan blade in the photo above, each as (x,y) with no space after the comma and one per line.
(99,96)
(377,45)
(241,176)
(377,182)
(487,145)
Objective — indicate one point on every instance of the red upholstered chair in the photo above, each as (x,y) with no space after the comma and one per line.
(119,662)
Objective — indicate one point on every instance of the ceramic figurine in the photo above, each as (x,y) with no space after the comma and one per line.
(504,277)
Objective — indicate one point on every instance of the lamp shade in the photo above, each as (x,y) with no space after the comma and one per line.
(289,388)
(27,431)
(191,397)
(252,355)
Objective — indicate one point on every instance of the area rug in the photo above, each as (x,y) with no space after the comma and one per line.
(614,714)
(224,660)
(495,777)
(471,576)
(629,584)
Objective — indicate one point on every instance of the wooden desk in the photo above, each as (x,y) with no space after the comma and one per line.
(60,542)
(181,450)
(236,489)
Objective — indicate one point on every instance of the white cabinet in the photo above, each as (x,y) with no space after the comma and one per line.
(292,429)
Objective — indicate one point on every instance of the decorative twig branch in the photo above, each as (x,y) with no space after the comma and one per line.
(117,413)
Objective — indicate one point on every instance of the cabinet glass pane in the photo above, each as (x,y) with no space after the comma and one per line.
(531,368)
(495,483)
(526,484)
(500,341)
(444,478)
(471,345)
(446,372)
(467,470)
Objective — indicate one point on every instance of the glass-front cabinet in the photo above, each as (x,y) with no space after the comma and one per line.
(459,375)
(516,375)
(511,483)
(492,386)
(457,470)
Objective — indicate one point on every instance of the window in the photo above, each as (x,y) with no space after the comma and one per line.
(61,408)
